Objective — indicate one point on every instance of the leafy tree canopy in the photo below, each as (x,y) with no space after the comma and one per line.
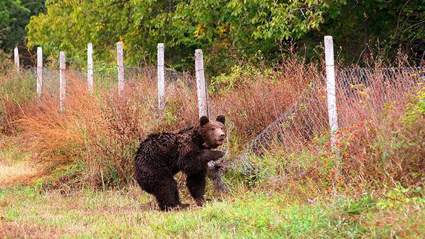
(376,27)
(239,28)
(227,30)
(14,16)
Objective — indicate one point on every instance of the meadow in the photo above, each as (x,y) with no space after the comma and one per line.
(69,174)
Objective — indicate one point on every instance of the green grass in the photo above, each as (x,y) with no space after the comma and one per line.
(12,154)
(130,213)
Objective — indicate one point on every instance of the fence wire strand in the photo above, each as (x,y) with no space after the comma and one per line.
(362,93)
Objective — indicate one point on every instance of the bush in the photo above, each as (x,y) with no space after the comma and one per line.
(101,132)
(17,90)
(386,150)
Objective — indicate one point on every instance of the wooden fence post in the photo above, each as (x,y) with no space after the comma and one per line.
(62,82)
(120,65)
(90,68)
(16,58)
(330,85)
(201,84)
(161,77)
(39,71)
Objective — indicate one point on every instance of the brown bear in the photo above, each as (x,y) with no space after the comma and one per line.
(160,156)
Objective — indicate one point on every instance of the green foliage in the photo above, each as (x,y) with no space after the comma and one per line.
(399,197)
(377,28)
(416,109)
(227,31)
(14,16)
(360,206)
(252,29)
(238,76)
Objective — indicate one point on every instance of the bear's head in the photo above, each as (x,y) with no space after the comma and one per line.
(213,132)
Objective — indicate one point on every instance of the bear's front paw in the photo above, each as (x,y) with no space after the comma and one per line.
(216,155)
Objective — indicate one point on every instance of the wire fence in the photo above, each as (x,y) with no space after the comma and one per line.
(362,94)
(104,78)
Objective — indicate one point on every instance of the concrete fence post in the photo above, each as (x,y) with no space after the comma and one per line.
(39,71)
(90,68)
(161,77)
(201,84)
(120,65)
(16,58)
(62,82)
(330,86)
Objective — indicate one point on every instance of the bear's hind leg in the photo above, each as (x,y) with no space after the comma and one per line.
(196,185)
(167,194)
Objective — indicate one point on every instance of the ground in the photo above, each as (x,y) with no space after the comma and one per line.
(128,214)
(28,211)
(16,167)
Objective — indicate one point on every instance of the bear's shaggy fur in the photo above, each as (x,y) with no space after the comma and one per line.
(160,156)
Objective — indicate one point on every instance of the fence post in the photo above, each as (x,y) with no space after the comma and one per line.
(330,85)
(62,82)
(201,85)
(39,71)
(161,77)
(120,65)
(90,68)
(16,58)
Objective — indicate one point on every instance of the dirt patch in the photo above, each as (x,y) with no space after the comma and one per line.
(27,230)
(24,172)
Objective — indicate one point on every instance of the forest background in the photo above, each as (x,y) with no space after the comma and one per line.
(228,31)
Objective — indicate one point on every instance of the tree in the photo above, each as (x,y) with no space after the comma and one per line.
(14,16)
(245,29)
(378,27)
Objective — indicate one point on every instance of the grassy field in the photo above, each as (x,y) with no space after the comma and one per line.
(27,212)
(264,210)
(70,174)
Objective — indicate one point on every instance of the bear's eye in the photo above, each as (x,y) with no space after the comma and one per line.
(212,128)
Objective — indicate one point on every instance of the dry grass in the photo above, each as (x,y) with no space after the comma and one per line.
(23,172)
(98,134)
(384,147)
(257,97)
(298,189)
(103,130)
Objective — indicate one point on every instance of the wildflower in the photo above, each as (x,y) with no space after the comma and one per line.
(309,200)
(302,173)
(269,193)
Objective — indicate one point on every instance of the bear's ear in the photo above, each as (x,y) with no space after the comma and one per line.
(221,119)
(204,120)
